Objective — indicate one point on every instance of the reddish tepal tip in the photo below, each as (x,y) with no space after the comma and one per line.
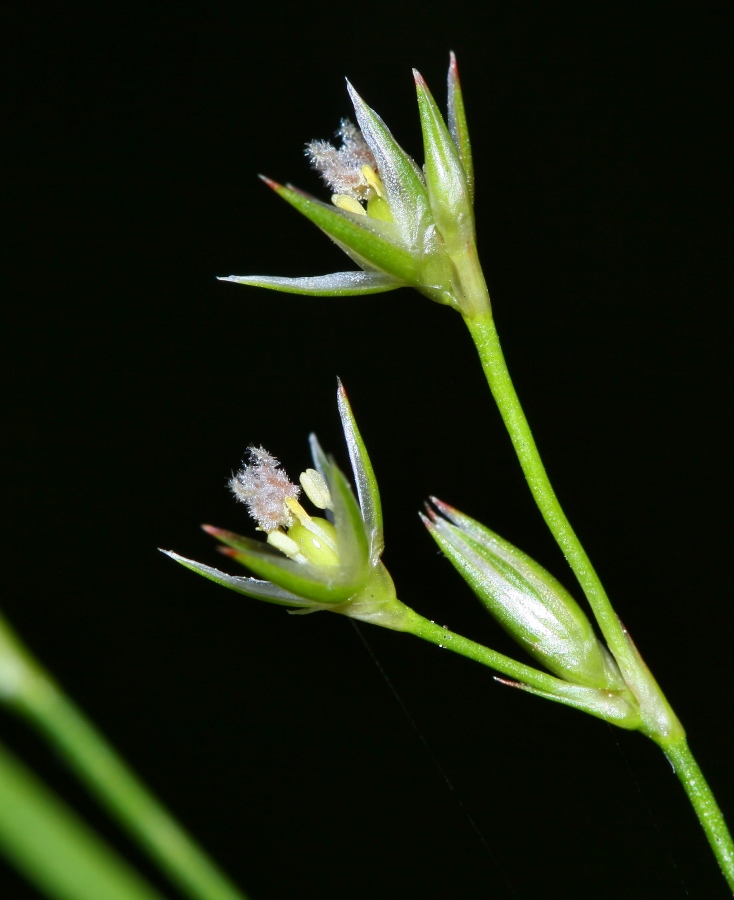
(453,67)
(270,183)
(420,81)
(431,513)
(426,521)
(228,551)
(441,506)
(515,684)
(212,530)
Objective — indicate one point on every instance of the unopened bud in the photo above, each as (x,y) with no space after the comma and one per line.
(526,600)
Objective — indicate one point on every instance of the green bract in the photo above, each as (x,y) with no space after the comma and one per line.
(346,576)
(416,229)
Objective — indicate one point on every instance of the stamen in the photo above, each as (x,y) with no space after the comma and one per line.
(316,488)
(313,526)
(348,203)
(286,545)
(374,181)
(295,507)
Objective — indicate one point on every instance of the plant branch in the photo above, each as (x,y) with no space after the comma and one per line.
(485,337)
(705,805)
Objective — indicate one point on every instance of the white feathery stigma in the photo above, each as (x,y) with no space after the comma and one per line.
(264,488)
(341,168)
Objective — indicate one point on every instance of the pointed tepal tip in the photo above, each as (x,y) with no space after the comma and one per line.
(441,506)
(270,183)
(420,81)
(357,102)
(453,78)
(426,521)
(431,514)
(210,529)
(340,388)
(228,551)
(513,684)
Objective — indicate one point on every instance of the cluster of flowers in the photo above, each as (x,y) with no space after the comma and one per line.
(407,226)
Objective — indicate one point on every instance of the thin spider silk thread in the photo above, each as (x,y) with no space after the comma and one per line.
(648,810)
(434,759)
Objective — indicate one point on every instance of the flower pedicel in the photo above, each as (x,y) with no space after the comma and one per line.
(313,564)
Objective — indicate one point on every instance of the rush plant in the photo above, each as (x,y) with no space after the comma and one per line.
(411,226)
(404,226)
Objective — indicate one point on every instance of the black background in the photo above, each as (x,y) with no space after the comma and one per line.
(135,381)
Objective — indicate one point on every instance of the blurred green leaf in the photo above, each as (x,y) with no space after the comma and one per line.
(54,849)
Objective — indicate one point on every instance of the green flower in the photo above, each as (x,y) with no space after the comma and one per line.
(401,225)
(311,562)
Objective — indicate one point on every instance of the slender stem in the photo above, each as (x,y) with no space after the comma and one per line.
(116,787)
(421,627)
(618,707)
(705,805)
(486,340)
(659,720)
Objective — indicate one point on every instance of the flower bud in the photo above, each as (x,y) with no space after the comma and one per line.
(525,599)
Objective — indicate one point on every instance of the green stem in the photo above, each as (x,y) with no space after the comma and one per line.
(659,720)
(120,791)
(421,627)
(486,340)
(705,805)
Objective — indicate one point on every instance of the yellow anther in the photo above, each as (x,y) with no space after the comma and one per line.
(374,181)
(316,488)
(286,545)
(349,204)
